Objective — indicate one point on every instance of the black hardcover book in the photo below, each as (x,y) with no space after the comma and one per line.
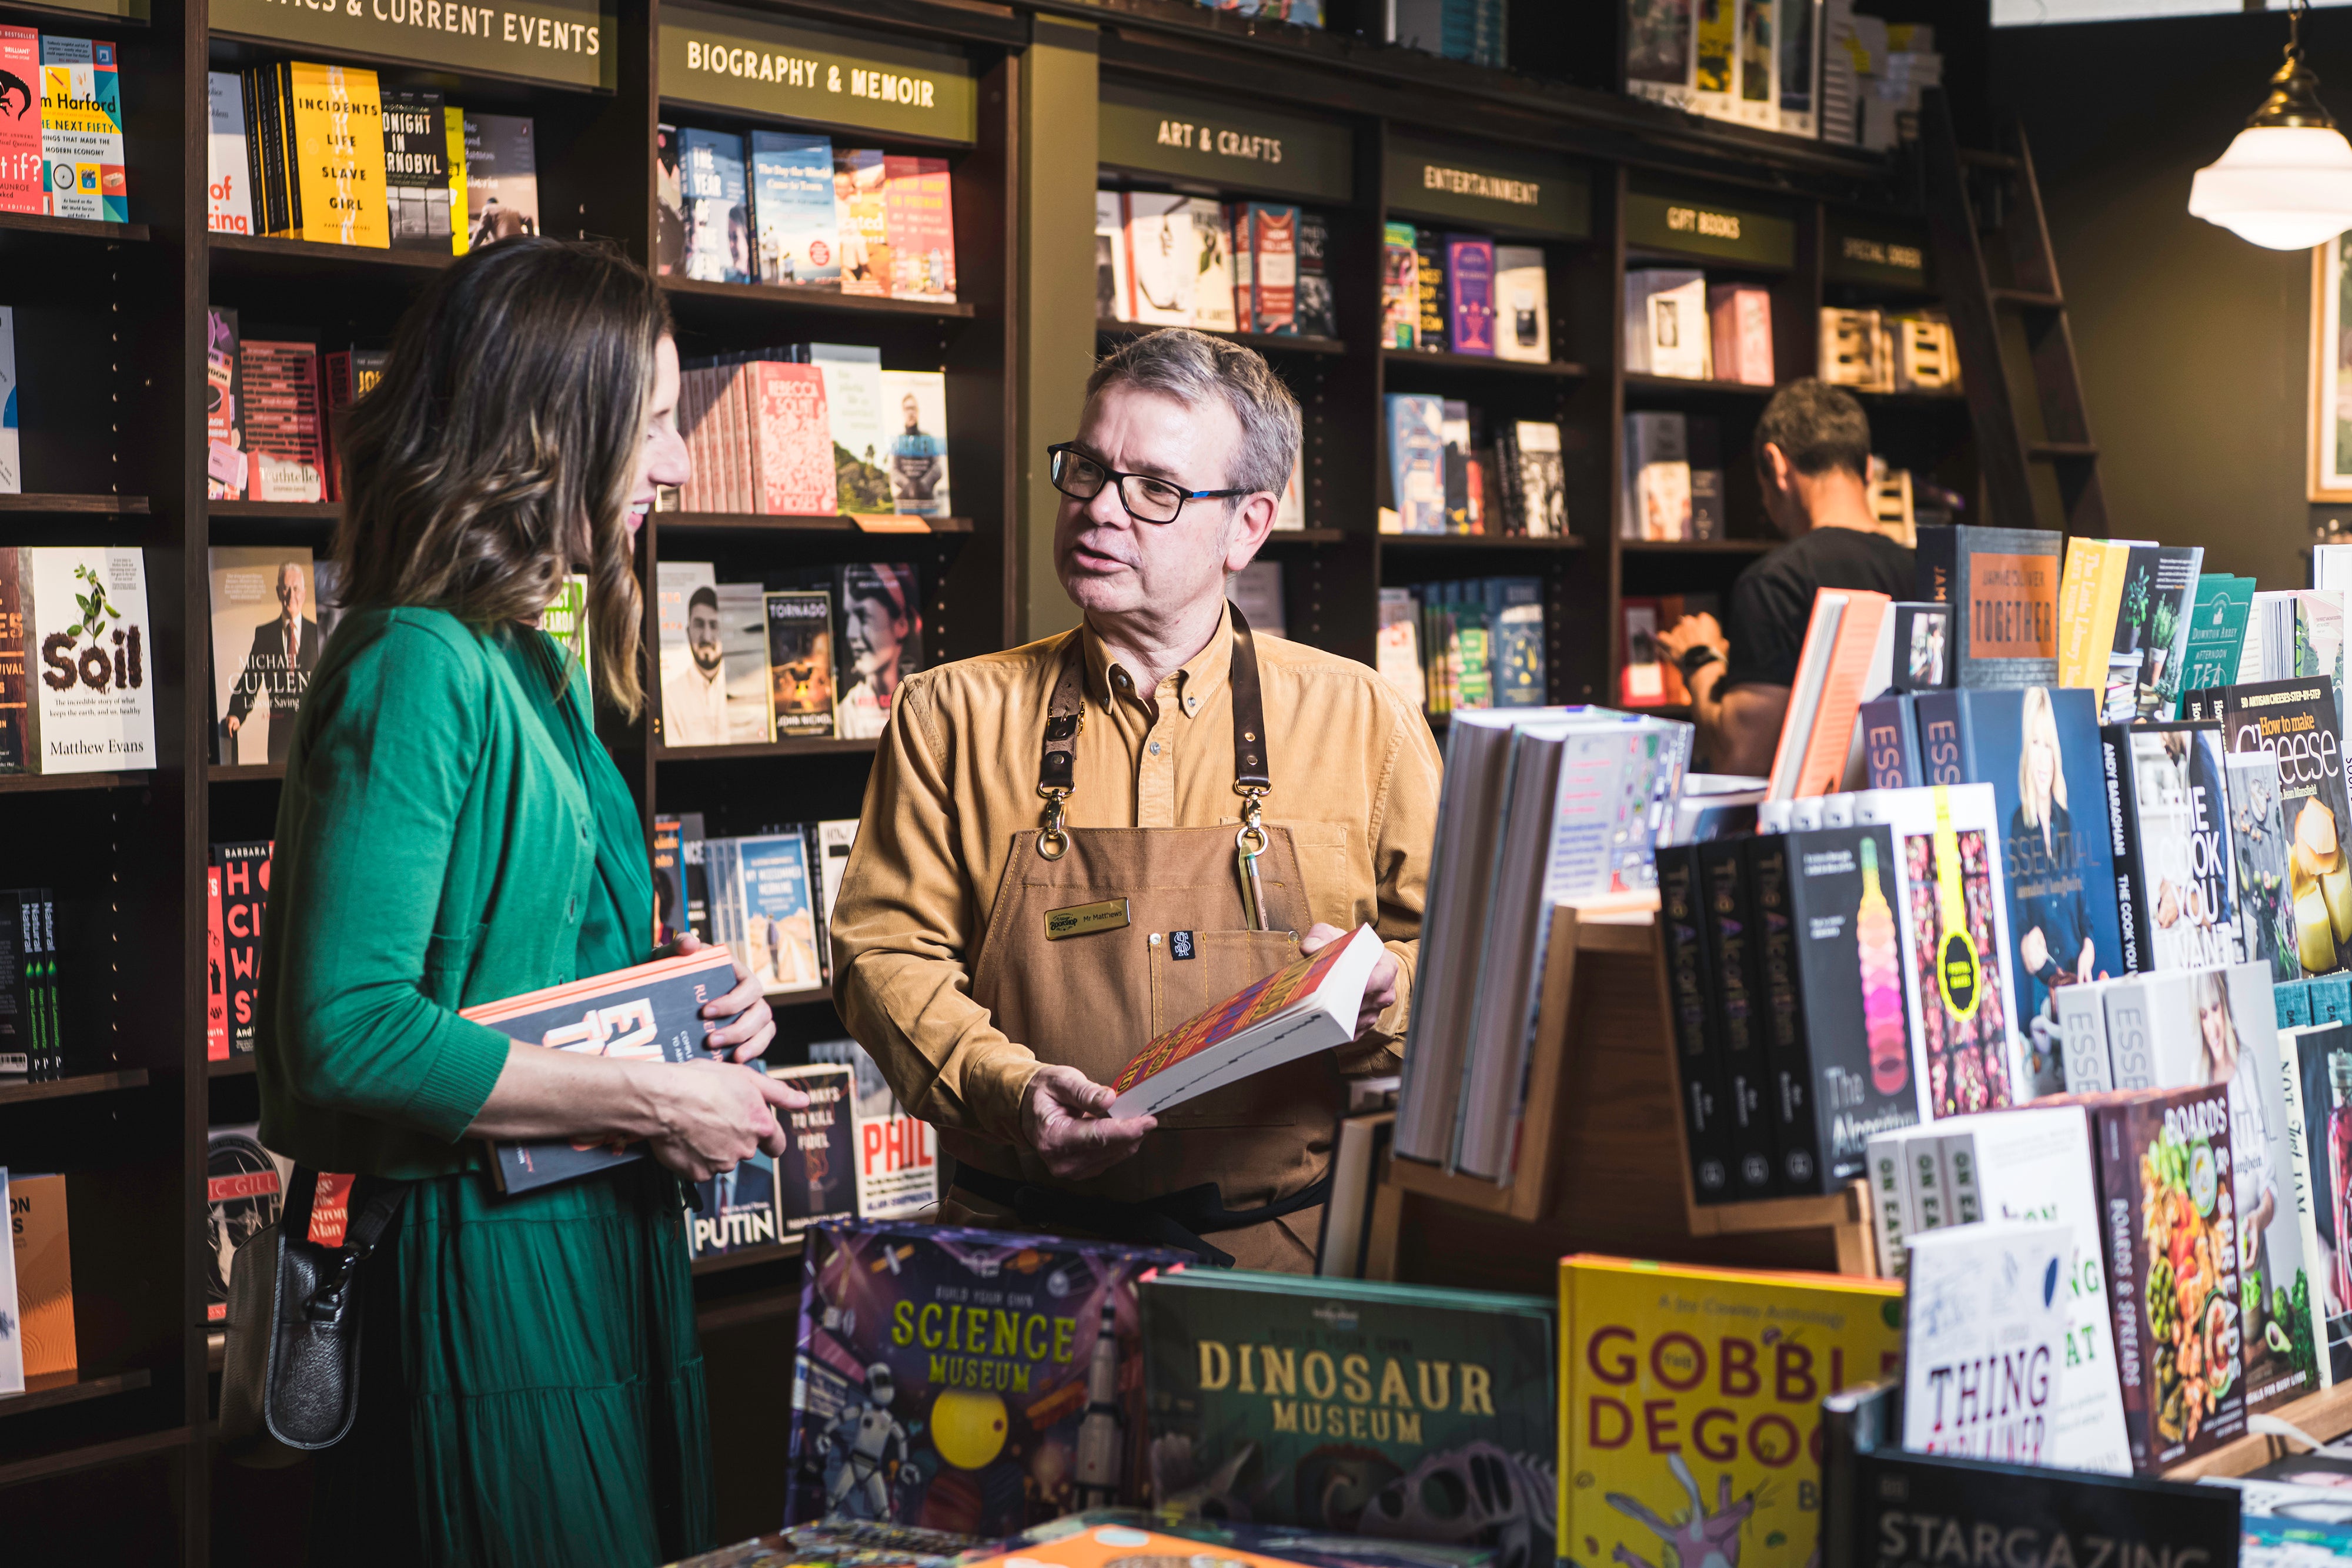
(416,170)
(697,877)
(1780,1015)
(1428,246)
(1739,1026)
(1883,1508)
(2114,767)
(2168,799)
(1923,646)
(1684,924)
(244,897)
(1315,314)
(1851,978)
(18,1051)
(816,1176)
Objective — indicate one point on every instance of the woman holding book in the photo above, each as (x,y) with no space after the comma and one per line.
(450,834)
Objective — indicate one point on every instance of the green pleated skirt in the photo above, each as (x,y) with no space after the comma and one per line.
(530,1390)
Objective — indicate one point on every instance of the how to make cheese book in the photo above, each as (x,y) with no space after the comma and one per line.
(651,1012)
(1306,1006)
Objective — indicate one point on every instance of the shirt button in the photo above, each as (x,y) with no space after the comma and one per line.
(1191,703)
(1155,748)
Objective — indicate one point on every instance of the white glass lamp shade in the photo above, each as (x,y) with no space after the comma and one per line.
(2286,187)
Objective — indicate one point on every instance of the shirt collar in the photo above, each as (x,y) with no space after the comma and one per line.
(1197,679)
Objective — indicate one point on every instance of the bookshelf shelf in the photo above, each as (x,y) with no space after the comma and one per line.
(52,1389)
(1307,537)
(73,228)
(253,256)
(75,506)
(730,522)
(753,1307)
(278,511)
(1481,364)
(1264,343)
(1697,546)
(2326,1416)
(43,783)
(790,1247)
(244,772)
(94,1455)
(1418,542)
(780,300)
(802,745)
(21,1092)
(234,1067)
(1684,386)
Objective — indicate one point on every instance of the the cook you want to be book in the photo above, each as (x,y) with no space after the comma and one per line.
(651,1012)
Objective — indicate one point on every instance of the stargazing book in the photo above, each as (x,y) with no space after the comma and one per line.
(650,1012)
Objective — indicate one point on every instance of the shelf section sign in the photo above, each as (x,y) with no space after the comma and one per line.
(1670,217)
(1153,131)
(819,74)
(564,42)
(1506,188)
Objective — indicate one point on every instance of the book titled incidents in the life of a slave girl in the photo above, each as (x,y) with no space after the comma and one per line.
(652,1012)
(1308,1005)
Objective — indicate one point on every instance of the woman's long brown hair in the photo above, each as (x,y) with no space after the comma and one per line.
(497,455)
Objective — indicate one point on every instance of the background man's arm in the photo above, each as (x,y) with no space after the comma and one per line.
(1739,729)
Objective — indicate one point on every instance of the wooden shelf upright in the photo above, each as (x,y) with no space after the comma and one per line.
(1603,1165)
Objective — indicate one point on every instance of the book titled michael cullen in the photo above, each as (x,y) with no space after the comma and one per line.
(652,1012)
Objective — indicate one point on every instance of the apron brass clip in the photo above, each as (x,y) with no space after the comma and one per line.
(1249,843)
(1051,842)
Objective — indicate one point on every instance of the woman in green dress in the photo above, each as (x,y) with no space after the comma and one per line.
(452,833)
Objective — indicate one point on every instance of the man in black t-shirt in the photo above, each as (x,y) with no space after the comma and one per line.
(1812,454)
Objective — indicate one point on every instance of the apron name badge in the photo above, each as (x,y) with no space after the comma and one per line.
(1081,919)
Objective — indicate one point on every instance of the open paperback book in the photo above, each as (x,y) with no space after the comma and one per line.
(1306,1006)
(650,1012)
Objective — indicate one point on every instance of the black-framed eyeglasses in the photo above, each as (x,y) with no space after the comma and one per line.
(1147,500)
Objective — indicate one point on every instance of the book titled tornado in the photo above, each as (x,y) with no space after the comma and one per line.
(652,1012)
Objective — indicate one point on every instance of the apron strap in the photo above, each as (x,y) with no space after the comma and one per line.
(1177,1220)
(1065,715)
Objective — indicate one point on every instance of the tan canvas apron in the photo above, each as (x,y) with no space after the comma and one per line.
(1091,1000)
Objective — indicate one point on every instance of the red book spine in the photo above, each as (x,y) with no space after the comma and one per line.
(215,971)
(795,445)
(20,121)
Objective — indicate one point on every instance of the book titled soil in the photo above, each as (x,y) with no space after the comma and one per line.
(652,1012)
(941,1369)
(1346,1406)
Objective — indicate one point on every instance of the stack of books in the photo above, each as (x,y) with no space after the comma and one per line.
(1452,470)
(791,208)
(1170,260)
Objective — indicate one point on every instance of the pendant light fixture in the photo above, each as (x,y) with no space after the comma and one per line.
(2286,181)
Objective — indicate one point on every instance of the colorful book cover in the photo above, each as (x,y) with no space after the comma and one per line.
(918,212)
(897,1154)
(17,753)
(1274,269)
(264,643)
(800,661)
(1470,293)
(1429,262)
(651,1012)
(86,620)
(877,640)
(1690,1400)
(2039,747)
(45,1302)
(1317,312)
(1400,287)
(795,462)
(243,869)
(1216,307)
(792,203)
(2176,804)
(418,188)
(336,124)
(229,206)
(502,165)
(853,403)
(2151,634)
(816,1179)
(81,129)
(973,1381)
(1522,304)
(244,1190)
(453,124)
(2259,842)
(1346,1406)
(915,413)
(670,204)
(2171,1234)
(1841,886)
(2217,632)
(277,421)
(860,196)
(12,449)
(2315,1073)
(2002,585)
(1417,461)
(1985,1340)
(734,1210)
(717,209)
(778,912)
(2296,720)
(24,169)
(1515,667)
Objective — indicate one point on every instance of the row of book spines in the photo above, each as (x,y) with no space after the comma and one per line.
(1677,325)
(269,431)
(726,899)
(37,1049)
(236,895)
(1252,266)
(75,141)
(1481,642)
(1739,1025)
(1511,486)
(900,212)
(793,1208)
(1463,294)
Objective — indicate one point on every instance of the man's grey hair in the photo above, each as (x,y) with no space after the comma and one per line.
(1195,369)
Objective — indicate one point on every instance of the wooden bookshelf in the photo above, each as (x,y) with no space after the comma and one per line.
(27,1091)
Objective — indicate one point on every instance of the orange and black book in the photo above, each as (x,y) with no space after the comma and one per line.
(2002,586)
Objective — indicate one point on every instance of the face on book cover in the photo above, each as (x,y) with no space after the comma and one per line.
(1113,566)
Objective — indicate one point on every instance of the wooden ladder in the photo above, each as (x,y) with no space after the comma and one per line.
(1974,198)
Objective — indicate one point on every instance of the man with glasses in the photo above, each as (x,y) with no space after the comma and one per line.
(1071,847)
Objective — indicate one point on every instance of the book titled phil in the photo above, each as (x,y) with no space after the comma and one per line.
(651,1012)
(1308,1005)
(1260,1376)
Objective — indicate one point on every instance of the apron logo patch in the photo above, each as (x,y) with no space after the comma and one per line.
(1080,919)
(1179,944)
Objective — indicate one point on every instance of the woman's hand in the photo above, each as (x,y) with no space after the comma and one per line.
(714,1115)
(754,1027)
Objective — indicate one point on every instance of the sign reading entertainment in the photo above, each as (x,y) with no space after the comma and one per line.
(1465,183)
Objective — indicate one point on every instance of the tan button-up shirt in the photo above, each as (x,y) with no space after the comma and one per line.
(1355,777)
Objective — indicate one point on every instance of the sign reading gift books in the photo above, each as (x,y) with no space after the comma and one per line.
(808,71)
(1155,131)
(1667,215)
(568,42)
(1493,185)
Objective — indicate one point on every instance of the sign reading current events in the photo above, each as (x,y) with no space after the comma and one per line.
(815,73)
(1155,131)
(568,42)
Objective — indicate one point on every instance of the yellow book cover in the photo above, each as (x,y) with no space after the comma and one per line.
(1690,1407)
(459,234)
(2115,567)
(338,155)
(2076,588)
(37,1222)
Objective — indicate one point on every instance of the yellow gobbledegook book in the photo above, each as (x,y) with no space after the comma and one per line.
(1690,1407)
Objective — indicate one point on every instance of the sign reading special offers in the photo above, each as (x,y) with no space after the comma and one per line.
(807,70)
(568,42)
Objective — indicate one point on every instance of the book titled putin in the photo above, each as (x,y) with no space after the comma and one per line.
(652,1012)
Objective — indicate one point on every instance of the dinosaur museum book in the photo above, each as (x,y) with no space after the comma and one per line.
(1347,1405)
(972,1381)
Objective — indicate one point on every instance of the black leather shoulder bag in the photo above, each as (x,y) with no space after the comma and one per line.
(291,1380)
